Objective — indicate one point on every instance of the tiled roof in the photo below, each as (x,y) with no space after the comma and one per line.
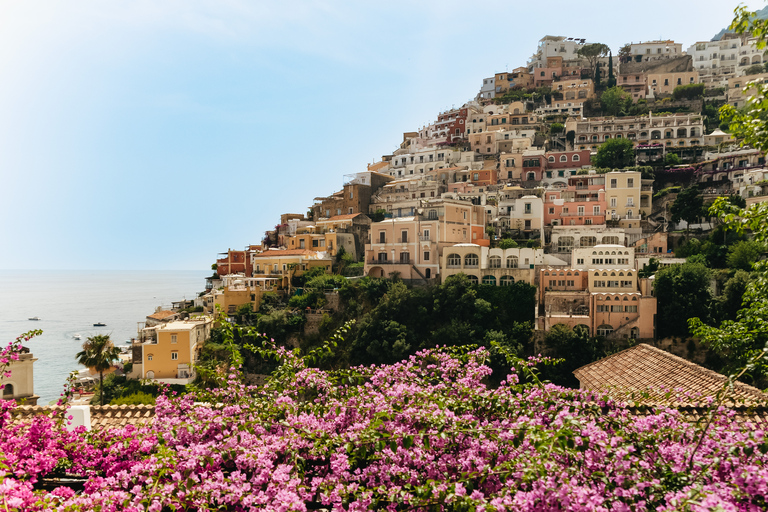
(339,217)
(102,416)
(645,374)
(289,252)
(159,315)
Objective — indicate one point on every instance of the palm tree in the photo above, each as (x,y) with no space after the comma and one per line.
(98,353)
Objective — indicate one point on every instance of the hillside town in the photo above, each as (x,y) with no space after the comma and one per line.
(513,186)
(509,188)
(553,297)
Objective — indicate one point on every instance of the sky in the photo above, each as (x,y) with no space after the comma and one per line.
(155,134)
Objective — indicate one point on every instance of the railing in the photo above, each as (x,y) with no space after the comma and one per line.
(425,238)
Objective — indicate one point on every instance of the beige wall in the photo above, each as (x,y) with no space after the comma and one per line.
(20,385)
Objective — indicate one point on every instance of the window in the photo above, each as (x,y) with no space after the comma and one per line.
(404,237)
(494,262)
(489,280)
(174,338)
(454,261)
(630,182)
(149,357)
(405,257)
(575,158)
(382,257)
(595,210)
(527,207)
(382,237)
(613,202)
(551,159)
(471,261)
(614,183)
(174,356)
(426,255)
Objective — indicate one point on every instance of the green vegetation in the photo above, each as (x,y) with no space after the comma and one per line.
(688,92)
(98,353)
(615,154)
(615,100)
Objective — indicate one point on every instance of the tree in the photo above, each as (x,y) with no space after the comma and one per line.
(671,159)
(614,100)
(744,254)
(597,76)
(507,243)
(592,53)
(615,154)
(571,137)
(98,354)
(611,78)
(624,53)
(688,92)
(755,69)
(556,128)
(687,206)
(682,292)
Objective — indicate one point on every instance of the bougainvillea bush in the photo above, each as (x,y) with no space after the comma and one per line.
(423,434)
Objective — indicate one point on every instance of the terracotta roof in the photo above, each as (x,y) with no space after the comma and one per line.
(339,217)
(159,315)
(290,252)
(102,416)
(646,374)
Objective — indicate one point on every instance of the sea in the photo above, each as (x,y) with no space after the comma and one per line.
(70,302)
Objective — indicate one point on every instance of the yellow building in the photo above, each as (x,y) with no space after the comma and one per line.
(239,290)
(622,195)
(286,264)
(172,354)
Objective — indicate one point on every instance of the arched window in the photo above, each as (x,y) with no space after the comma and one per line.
(625,298)
(605,274)
(8,391)
(563,158)
(489,280)
(604,330)
(575,158)
(634,333)
(150,374)
(494,262)
(597,274)
(545,273)
(471,261)
(454,261)
(473,279)
(512,262)
(506,281)
(551,158)
(621,274)
(629,274)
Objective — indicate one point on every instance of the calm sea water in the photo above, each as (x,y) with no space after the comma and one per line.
(70,302)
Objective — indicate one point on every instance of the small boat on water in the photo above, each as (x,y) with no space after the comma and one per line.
(35,318)
(77,336)
(99,324)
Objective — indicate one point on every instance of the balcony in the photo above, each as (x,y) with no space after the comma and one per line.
(425,238)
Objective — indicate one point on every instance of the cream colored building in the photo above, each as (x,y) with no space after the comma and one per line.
(20,384)
(412,246)
(497,267)
(622,195)
(665,83)
(672,130)
(283,265)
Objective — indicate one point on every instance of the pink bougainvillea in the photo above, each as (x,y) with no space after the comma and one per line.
(423,434)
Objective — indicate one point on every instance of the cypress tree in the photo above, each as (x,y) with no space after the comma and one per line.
(597,75)
(611,78)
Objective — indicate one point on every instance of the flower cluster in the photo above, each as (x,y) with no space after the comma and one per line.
(423,434)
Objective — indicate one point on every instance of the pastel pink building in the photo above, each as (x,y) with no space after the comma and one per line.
(581,203)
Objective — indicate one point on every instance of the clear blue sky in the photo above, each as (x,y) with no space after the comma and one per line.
(155,134)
